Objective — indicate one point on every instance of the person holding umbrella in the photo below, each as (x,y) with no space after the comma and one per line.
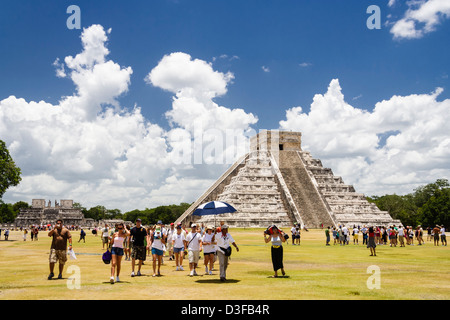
(224,242)
(209,250)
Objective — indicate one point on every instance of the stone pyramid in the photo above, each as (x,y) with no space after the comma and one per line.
(278,183)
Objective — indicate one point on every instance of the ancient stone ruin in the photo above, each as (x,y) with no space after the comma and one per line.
(40,214)
(277,182)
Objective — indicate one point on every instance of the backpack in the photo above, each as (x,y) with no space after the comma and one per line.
(107,257)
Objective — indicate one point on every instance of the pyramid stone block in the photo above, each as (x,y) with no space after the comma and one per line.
(277,182)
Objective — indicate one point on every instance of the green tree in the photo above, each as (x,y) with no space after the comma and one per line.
(9,172)
(424,193)
(113,214)
(19,205)
(437,209)
(96,213)
(132,215)
(78,205)
(6,212)
(427,205)
(166,214)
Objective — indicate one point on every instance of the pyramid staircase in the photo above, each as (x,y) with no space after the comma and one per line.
(281,184)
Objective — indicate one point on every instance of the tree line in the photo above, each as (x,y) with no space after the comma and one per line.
(167,214)
(426,206)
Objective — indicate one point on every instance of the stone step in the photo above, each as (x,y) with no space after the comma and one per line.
(308,201)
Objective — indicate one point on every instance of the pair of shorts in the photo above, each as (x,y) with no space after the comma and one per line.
(193,256)
(58,256)
(157,252)
(117,251)
(178,250)
(105,240)
(139,252)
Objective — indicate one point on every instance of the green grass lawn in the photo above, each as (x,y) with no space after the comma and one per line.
(313,271)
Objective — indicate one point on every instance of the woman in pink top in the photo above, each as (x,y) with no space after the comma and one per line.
(117,250)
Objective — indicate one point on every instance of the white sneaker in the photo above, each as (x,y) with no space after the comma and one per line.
(178,268)
(191,274)
(132,274)
(206,270)
(195,273)
(181,268)
(117,279)
(210,273)
(111,280)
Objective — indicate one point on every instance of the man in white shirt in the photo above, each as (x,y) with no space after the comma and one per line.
(193,245)
(345,233)
(294,233)
(170,234)
(224,241)
(401,236)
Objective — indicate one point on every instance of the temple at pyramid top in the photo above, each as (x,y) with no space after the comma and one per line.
(276,141)
(277,182)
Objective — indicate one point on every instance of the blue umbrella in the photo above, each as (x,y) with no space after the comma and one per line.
(213,208)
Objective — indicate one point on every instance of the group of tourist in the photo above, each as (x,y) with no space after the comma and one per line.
(216,244)
(380,235)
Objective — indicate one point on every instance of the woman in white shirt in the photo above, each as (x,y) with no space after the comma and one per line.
(116,244)
(158,239)
(277,238)
(209,251)
(178,239)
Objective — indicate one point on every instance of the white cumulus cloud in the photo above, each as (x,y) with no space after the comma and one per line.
(401,144)
(91,149)
(422,17)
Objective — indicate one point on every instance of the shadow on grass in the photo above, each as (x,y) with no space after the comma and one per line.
(107,282)
(217,281)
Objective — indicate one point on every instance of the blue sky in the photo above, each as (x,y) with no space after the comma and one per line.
(331,36)
(281,54)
